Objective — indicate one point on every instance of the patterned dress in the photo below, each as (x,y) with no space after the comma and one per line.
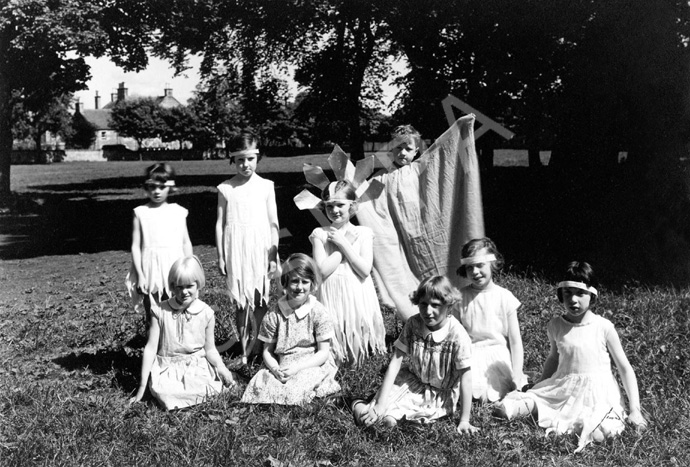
(582,395)
(485,314)
(429,387)
(162,243)
(181,376)
(352,304)
(247,238)
(296,334)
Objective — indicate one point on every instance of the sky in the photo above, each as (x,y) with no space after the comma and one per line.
(106,76)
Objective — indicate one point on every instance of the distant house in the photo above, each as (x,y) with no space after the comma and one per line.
(106,135)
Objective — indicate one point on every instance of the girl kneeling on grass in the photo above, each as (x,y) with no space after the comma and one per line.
(180,355)
(439,373)
(578,392)
(298,364)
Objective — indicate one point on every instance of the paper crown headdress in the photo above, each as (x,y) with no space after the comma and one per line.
(343,169)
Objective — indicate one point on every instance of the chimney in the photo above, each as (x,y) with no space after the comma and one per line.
(97,101)
(77,106)
(121,92)
(168,90)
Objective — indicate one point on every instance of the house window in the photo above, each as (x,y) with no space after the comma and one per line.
(103,135)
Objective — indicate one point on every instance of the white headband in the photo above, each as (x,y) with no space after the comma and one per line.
(578,285)
(244,152)
(155,182)
(477,259)
(332,192)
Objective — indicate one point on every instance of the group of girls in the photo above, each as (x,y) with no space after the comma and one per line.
(462,345)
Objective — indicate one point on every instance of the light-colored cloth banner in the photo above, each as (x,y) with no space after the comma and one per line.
(428,210)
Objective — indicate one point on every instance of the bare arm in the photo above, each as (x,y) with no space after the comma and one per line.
(220,225)
(275,229)
(186,242)
(465,427)
(362,261)
(551,363)
(628,377)
(381,399)
(516,350)
(147,361)
(314,360)
(326,263)
(136,255)
(213,356)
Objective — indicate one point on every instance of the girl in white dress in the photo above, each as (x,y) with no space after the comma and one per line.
(247,239)
(159,238)
(180,356)
(437,376)
(298,364)
(343,254)
(577,392)
(489,314)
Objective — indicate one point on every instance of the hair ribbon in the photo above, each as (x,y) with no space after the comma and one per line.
(477,259)
(578,285)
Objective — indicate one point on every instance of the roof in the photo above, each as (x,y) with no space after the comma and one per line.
(99,118)
(167,102)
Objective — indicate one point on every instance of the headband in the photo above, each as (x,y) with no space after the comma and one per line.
(332,192)
(477,259)
(156,182)
(578,285)
(244,152)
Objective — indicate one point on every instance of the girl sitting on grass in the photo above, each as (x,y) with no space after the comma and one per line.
(489,314)
(298,364)
(438,375)
(159,238)
(180,356)
(578,392)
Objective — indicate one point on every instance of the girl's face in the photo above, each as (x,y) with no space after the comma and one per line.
(434,313)
(246,164)
(339,211)
(404,153)
(298,290)
(185,294)
(479,273)
(576,303)
(157,192)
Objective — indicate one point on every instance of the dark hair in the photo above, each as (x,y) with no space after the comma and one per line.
(345,187)
(187,269)
(243,141)
(438,287)
(303,266)
(473,246)
(161,172)
(579,271)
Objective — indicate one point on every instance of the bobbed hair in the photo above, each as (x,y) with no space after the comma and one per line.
(300,265)
(407,132)
(161,172)
(473,246)
(435,287)
(243,141)
(579,271)
(186,271)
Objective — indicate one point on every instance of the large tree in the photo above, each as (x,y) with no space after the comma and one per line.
(42,45)
(140,118)
(337,46)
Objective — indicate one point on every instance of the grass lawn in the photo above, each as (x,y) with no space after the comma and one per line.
(70,349)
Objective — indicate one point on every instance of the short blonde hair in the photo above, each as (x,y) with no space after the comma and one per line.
(185,271)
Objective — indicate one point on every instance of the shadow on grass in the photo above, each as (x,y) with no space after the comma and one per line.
(125,367)
(539,219)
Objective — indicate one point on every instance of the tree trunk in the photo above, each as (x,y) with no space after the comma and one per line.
(5,133)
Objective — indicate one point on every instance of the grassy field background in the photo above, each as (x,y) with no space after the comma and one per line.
(70,345)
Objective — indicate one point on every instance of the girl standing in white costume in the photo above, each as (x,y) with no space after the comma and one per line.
(247,239)
(344,256)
